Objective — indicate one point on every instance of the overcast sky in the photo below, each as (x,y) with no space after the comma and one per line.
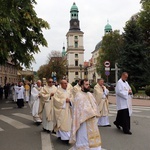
(93,16)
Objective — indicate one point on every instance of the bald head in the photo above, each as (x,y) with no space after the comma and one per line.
(38,83)
(124,76)
(64,84)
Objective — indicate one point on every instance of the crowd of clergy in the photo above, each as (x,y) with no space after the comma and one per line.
(74,113)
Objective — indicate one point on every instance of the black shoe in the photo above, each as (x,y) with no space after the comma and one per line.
(127,132)
(106,125)
(48,131)
(38,123)
(44,130)
(117,125)
(53,132)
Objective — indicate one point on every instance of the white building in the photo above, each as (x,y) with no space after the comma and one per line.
(92,73)
(75,48)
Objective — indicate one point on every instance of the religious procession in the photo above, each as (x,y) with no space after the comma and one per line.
(74,113)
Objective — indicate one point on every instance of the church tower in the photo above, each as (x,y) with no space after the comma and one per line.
(63,53)
(75,48)
(108,28)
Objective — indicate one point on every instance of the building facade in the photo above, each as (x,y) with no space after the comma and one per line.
(8,73)
(75,48)
(93,75)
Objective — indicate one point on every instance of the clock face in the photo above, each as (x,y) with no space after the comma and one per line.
(75,23)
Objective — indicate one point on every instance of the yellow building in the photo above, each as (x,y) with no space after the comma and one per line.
(8,73)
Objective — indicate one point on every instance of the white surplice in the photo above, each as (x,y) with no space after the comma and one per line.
(123,99)
(34,103)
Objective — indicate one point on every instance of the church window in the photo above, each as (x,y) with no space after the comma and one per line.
(76,63)
(76,37)
(76,44)
(76,73)
(76,55)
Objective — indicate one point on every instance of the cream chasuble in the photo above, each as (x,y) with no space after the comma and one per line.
(46,106)
(76,89)
(101,99)
(85,133)
(62,110)
(69,87)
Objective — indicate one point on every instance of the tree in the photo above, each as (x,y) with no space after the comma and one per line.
(111,44)
(133,57)
(43,72)
(55,63)
(20,31)
(144,22)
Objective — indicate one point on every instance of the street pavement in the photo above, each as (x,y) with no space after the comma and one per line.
(19,132)
(135,101)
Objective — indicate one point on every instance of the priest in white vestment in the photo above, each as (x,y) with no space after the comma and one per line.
(15,94)
(63,99)
(27,91)
(124,104)
(69,86)
(35,101)
(101,96)
(20,95)
(85,133)
(46,106)
(76,88)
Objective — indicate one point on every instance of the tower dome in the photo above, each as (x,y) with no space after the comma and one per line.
(74,8)
(108,28)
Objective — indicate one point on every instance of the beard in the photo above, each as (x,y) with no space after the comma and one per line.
(86,90)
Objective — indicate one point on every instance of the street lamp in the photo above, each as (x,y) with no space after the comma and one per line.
(80,71)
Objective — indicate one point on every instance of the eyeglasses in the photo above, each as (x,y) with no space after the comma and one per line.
(50,81)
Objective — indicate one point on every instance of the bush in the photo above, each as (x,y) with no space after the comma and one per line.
(147,90)
(92,85)
(133,89)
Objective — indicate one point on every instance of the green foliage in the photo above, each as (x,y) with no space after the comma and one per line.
(133,89)
(133,55)
(20,31)
(73,83)
(144,22)
(43,72)
(55,64)
(111,44)
(92,85)
(147,90)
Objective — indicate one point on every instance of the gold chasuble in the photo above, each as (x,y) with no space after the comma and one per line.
(46,102)
(62,110)
(85,112)
(101,99)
